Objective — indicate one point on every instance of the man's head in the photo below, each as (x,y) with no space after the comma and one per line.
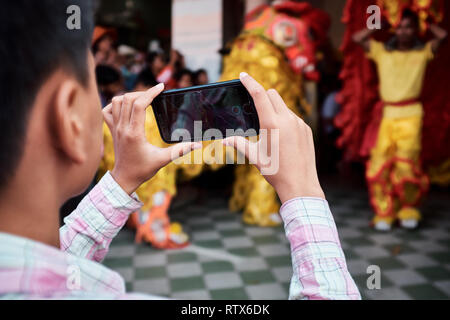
(145,80)
(102,39)
(201,77)
(109,81)
(406,32)
(156,62)
(50,114)
(183,78)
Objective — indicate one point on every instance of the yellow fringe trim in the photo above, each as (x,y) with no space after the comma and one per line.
(409,213)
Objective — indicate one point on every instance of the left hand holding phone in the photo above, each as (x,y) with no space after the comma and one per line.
(136,160)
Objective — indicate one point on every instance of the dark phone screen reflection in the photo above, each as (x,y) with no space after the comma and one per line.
(216,108)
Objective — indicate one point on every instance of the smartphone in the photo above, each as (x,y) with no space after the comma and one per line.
(208,112)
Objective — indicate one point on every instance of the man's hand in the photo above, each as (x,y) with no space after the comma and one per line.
(136,160)
(297,174)
(176,57)
(362,38)
(439,36)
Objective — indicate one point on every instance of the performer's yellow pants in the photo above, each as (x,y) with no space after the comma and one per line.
(394,175)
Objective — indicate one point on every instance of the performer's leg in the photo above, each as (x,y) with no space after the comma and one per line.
(152,222)
(155,226)
(410,183)
(378,178)
(262,205)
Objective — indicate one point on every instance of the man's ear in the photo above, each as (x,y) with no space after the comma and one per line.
(66,118)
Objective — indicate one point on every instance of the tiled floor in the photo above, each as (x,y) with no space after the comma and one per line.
(230,260)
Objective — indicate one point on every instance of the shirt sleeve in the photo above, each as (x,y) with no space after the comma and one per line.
(165,75)
(319,266)
(88,231)
(375,49)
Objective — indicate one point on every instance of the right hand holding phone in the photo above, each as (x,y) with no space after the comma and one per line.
(297,174)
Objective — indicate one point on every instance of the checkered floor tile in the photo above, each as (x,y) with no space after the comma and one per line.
(230,260)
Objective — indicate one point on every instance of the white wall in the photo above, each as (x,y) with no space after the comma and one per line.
(197,33)
(252,4)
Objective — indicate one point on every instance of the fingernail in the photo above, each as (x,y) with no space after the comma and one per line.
(160,85)
(243,74)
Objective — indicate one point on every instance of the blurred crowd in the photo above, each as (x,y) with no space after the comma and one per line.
(121,68)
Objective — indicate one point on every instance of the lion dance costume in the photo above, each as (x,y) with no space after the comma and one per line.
(400,126)
(277,48)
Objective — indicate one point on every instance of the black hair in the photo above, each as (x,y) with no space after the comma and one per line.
(151,56)
(178,75)
(409,14)
(146,78)
(106,75)
(35,42)
(200,71)
(197,74)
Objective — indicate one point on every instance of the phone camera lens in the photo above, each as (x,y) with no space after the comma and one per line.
(236,110)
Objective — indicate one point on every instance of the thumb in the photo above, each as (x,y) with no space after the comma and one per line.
(241,144)
(179,150)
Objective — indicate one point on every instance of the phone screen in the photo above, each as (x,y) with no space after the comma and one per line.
(207,112)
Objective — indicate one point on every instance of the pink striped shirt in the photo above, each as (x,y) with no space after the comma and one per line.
(32,270)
